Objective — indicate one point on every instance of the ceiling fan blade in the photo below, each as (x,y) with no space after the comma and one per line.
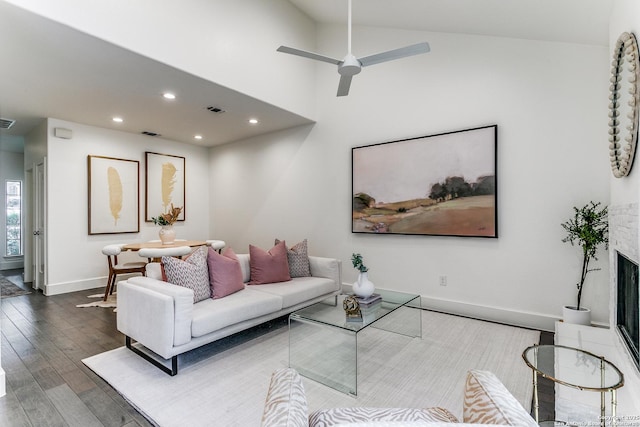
(344,85)
(390,55)
(305,54)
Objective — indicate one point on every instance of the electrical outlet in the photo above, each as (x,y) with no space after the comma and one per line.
(443,280)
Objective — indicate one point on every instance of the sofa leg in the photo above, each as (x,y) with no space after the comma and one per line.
(173,371)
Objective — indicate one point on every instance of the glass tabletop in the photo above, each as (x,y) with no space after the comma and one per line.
(573,367)
(335,315)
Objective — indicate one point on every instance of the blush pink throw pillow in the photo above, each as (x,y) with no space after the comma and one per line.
(268,267)
(225,275)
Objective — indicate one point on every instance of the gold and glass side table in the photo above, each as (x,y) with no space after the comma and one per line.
(575,368)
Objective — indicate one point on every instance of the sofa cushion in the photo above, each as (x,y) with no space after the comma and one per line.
(192,273)
(487,401)
(298,259)
(298,290)
(268,266)
(225,276)
(339,416)
(213,314)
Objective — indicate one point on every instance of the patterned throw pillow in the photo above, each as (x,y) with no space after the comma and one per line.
(268,267)
(340,416)
(487,401)
(192,273)
(298,259)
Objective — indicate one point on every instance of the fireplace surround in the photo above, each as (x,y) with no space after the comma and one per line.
(624,257)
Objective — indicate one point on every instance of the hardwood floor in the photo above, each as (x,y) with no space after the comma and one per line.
(44,340)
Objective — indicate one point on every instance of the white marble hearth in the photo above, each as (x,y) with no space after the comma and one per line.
(583,407)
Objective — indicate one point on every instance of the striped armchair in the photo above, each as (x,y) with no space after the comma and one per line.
(486,401)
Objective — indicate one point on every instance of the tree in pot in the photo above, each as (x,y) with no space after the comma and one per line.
(589,228)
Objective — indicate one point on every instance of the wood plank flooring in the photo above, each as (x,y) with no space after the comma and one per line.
(44,340)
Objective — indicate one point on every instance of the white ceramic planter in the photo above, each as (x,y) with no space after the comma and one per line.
(577,317)
(363,286)
(167,235)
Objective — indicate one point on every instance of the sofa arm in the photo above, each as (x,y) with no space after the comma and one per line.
(155,313)
(487,401)
(330,268)
(286,403)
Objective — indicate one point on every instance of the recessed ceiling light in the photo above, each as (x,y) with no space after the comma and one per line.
(118,119)
(168,95)
(253,121)
(197,136)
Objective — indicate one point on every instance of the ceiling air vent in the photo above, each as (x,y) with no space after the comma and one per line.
(6,123)
(216,110)
(149,133)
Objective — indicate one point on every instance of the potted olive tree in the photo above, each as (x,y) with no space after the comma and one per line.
(589,228)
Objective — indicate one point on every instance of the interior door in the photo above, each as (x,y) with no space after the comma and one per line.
(40,226)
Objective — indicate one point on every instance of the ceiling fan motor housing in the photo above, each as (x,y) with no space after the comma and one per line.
(350,66)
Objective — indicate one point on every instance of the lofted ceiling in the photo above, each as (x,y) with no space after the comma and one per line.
(51,70)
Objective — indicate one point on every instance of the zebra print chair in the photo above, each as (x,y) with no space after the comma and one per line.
(486,401)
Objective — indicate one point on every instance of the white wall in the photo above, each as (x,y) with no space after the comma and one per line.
(10,169)
(230,42)
(625,16)
(549,101)
(74,258)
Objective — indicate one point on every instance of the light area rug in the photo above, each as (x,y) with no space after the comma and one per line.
(111,301)
(225,383)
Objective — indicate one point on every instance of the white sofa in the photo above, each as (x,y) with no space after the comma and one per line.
(486,401)
(164,319)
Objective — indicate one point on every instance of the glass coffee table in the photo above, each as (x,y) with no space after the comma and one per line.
(323,345)
(575,368)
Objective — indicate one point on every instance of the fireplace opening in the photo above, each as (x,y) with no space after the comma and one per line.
(628,321)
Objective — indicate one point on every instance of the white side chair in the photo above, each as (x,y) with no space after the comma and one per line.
(154,254)
(115,268)
(216,245)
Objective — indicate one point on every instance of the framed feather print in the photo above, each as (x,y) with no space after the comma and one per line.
(164,183)
(114,201)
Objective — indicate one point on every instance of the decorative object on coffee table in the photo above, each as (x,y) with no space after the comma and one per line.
(166,220)
(362,287)
(588,229)
(352,308)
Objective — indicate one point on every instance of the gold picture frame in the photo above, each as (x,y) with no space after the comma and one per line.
(113,196)
(164,184)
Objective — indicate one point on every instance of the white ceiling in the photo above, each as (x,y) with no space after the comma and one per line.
(572,21)
(50,70)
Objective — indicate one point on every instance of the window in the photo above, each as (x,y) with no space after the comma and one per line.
(13,206)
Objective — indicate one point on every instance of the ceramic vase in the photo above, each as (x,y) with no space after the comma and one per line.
(363,287)
(167,235)
(578,317)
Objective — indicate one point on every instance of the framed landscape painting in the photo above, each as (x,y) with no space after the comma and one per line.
(114,205)
(165,184)
(440,185)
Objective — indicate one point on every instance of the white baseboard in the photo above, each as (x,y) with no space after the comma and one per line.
(3,387)
(80,285)
(11,265)
(538,321)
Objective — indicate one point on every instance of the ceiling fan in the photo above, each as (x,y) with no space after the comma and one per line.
(350,65)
